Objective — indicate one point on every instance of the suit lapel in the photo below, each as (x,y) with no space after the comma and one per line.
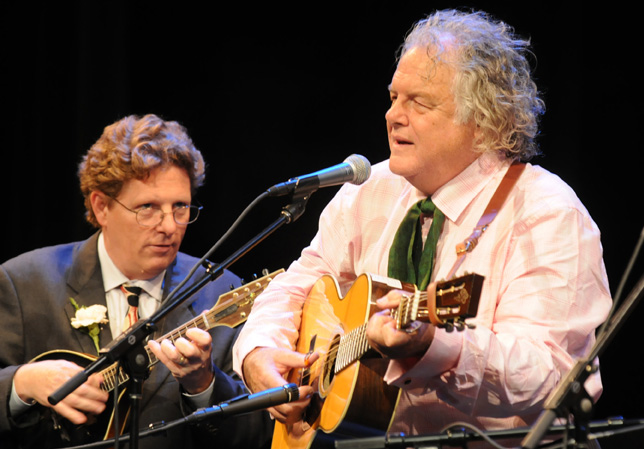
(85,281)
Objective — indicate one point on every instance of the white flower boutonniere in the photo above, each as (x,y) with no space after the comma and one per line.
(88,319)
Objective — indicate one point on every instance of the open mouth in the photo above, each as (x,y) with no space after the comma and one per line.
(400,141)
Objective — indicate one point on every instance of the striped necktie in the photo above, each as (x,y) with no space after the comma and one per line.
(132,294)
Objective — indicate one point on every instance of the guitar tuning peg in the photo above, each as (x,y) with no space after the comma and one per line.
(459,325)
(449,327)
(265,272)
(232,287)
(255,276)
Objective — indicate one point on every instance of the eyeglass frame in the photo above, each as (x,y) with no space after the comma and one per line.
(163,214)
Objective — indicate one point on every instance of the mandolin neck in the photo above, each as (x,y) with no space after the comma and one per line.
(203,322)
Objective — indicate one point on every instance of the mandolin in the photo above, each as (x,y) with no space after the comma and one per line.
(232,309)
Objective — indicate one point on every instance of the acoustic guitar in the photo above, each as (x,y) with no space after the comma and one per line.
(351,398)
(232,309)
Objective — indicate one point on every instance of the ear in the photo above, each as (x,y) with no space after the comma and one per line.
(100,204)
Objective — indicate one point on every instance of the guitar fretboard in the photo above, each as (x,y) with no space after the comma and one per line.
(354,344)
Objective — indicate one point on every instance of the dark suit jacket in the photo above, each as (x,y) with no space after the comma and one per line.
(35,316)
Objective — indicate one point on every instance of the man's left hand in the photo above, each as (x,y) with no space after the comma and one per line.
(396,343)
(188,359)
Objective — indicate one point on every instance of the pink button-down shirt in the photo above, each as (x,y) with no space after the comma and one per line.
(545,292)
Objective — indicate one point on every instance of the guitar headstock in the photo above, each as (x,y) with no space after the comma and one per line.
(448,303)
(457,299)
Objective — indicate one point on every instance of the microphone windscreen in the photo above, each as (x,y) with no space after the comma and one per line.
(361,168)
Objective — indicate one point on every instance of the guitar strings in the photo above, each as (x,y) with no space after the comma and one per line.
(356,341)
(339,357)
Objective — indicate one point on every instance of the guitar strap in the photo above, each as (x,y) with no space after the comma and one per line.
(493,207)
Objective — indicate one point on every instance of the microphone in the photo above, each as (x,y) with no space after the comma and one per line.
(248,403)
(355,169)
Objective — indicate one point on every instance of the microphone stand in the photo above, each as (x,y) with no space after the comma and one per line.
(570,395)
(288,215)
(236,406)
(130,345)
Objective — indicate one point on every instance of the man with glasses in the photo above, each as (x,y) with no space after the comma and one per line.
(138,181)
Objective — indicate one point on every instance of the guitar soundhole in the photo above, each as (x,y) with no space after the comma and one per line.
(328,370)
(326,374)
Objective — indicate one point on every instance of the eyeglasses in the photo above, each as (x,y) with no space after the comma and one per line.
(151,216)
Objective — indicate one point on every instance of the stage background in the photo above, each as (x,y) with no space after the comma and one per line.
(270,92)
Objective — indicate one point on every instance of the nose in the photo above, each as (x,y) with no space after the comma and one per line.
(167,223)
(396,115)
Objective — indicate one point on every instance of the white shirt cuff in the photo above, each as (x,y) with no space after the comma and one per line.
(17,405)
(200,400)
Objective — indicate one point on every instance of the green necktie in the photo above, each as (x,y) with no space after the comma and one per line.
(408,260)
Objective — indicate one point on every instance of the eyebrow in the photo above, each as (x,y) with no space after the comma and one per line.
(417,94)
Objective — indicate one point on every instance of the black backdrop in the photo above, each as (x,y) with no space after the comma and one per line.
(269,92)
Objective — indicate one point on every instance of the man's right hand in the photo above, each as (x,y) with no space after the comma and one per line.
(38,380)
(266,368)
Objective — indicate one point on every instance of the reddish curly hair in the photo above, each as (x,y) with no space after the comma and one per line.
(130,149)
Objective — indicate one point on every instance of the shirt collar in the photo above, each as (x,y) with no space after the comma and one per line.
(455,196)
(113,278)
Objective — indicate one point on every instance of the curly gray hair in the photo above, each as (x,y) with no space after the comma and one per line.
(493,83)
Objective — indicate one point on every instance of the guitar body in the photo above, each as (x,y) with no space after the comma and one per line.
(356,393)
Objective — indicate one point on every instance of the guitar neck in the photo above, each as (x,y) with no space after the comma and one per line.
(353,345)
(451,302)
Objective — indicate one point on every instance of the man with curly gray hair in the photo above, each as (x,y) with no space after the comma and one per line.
(456,196)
